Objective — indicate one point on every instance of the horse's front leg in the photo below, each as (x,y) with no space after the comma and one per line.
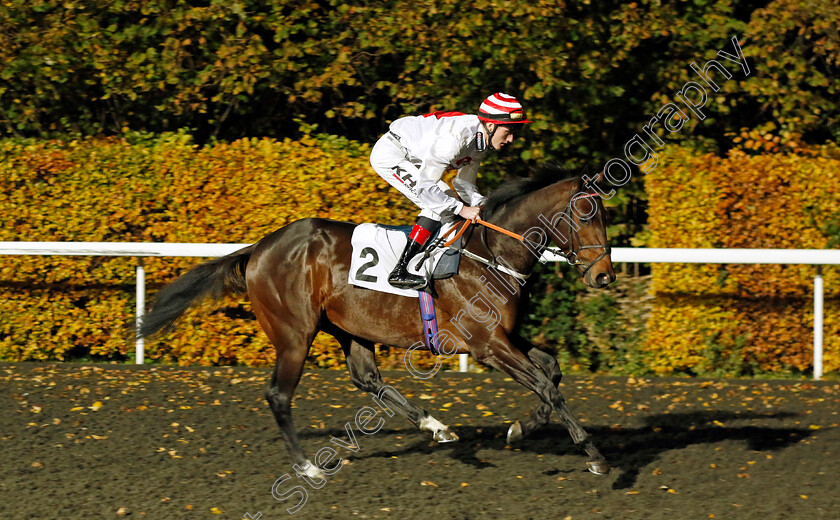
(540,417)
(500,353)
(361,362)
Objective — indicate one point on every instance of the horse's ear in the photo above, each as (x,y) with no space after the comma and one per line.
(591,178)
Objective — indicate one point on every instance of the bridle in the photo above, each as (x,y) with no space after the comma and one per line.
(571,256)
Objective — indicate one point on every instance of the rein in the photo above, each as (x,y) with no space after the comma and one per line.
(571,256)
(460,232)
(473,256)
(479,220)
(501,230)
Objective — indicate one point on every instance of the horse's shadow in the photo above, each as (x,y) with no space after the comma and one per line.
(633,449)
(627,449)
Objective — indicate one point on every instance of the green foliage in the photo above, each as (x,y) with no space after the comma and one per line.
(831,229)
(590,330)
(795,47)
(590,74)
(723,360)
(615,320)
(551,318)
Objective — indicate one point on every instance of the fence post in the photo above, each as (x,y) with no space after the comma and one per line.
(139,348)
(463,362)
(818,324)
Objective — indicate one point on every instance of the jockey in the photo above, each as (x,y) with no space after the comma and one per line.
(416,151)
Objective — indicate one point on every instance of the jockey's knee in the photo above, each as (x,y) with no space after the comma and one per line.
(428,223)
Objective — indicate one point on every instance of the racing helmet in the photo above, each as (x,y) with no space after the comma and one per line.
(502,109)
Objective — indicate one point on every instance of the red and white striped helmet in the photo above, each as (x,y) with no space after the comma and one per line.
(502,109)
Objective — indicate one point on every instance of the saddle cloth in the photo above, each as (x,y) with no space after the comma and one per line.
(376,250)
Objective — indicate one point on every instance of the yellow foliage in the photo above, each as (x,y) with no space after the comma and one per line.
(763,313)
(163,190)
(680,327)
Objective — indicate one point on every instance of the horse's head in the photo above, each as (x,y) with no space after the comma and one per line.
(568,212)
(582,229)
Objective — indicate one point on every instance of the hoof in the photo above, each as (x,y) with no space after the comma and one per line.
(599,467)
(313,471)
(514,433)
(446,435)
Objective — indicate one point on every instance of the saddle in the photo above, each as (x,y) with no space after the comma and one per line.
(376,250)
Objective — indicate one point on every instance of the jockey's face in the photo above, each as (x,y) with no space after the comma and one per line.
(503,135)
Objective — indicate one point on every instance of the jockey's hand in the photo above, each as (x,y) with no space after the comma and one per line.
(470,213)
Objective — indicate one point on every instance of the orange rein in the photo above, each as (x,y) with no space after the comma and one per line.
(460,232)
(501,230)
(467,223)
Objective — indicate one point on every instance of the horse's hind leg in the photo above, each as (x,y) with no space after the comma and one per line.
(292,347)
(540,417)
(361,362)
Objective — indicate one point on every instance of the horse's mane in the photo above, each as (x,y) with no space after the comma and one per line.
(509,191)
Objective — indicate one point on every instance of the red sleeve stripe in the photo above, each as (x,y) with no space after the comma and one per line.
(443,113)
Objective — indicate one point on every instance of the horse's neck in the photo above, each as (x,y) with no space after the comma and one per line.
(535,210)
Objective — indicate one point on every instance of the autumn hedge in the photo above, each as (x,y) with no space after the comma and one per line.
(705,319)
(164,189)
(742,319)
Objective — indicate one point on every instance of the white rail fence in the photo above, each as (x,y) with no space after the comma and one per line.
(816,257)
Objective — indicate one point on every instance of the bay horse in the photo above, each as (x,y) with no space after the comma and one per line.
(297,281)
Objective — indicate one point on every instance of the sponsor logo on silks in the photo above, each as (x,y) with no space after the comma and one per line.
(404,176)
(479,142)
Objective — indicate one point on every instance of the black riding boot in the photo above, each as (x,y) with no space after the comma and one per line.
(400,277)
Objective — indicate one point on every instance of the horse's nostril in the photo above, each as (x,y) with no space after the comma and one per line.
(603,279)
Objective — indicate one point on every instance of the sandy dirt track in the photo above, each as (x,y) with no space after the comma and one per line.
(102,441)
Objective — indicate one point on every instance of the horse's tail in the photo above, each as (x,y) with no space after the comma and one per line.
(213,279)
